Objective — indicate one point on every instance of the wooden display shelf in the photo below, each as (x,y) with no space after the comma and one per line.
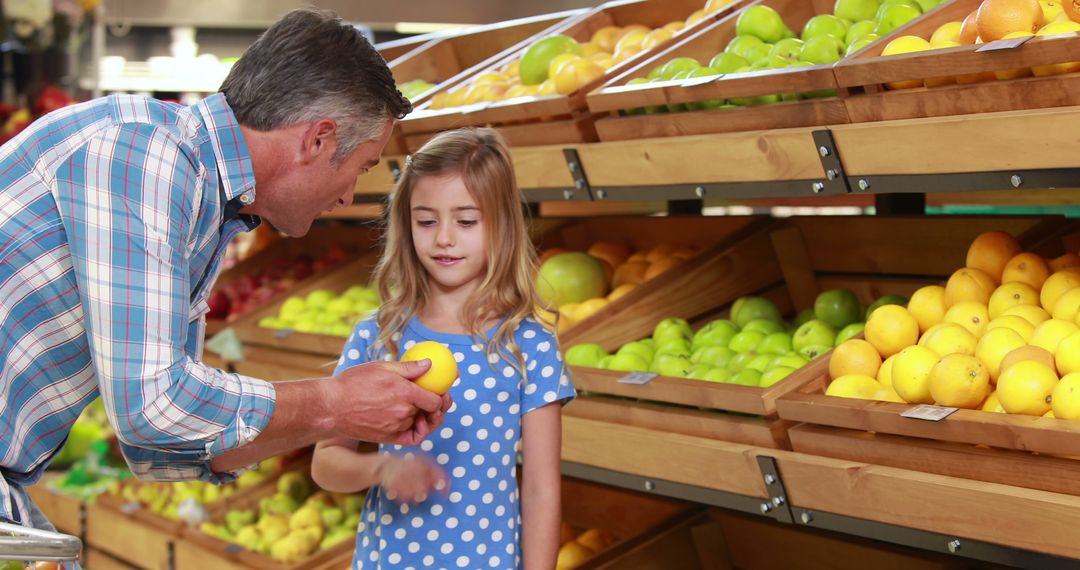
(63,511)
(970,68)
(137,536)
(94,559)
(276,365)
(570,126)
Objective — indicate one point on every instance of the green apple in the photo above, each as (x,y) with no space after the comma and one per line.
(718,375)
(273,323)
(757,53)
(928,5)
(771,62)
(727,62)
(319,298)
(665,327)
(858,30)
(855,10)
(822,50)
(746,341)
(747,377)
(628,363)
(860,43)
(775,375)
(654,73)
(776,343)
(677,65)
(698,371)
(848,332)
(640,348)
(605,362)
(813,333)
(746,309)
(292,308)
(759,362)
(803,316)
(886,300)
(763,326)
(894,15)
(713,355)
(672,365)
(679,346)
(788,49)
(340,306)
(762,22)
(739,361)
(838,308)
(741,46)
(813,351)
(788,361)
(824,25)
(640,81)
(586,354)
(718,332)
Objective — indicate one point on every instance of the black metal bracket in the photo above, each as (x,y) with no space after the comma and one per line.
(835,181)
(581,190)
(1049,178)
(777,506)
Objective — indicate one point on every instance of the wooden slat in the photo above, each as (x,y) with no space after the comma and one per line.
(63,511)
(795,265)
(1016,468)
(1012,516)
(541,167)
(94,559)
(1008,431)
(275,364)
(673,457)
(189,555)
(738,266)
(130,539)
(929,146)
(672,547)
(379,180)
(689,421)
(788,154)
(555,132)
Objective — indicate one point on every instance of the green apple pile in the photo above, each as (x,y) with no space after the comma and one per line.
(92,425)
(93,474)
(764,42)
(324,312)
(754,347)
(293,523)
(415,88)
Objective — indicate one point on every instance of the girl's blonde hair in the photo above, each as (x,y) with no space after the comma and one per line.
(507,291)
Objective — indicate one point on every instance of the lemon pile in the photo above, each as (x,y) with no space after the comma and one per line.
(1002,335)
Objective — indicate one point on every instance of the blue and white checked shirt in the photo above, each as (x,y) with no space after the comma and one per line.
(114,215)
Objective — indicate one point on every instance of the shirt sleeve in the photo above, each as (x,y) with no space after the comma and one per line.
(127,199)
(357,349)
(546,380)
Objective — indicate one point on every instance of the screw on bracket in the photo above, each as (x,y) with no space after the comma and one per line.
(568,194)
(650,486)
(823,151)
(765,508)
(806,517)
(778,500)
(770,479)
(954,546)
(1016,180)
(699,191)
(864,184)
(817,187)
(601,194)
(573,166)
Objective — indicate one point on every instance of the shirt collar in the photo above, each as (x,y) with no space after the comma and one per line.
(230,151)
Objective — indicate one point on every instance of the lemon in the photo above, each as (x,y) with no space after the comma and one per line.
(1066,398)
(1067,356)
(1067,306)
(1049,334)
(1017,324)
(970,315)
(1056,285)
(1009,295)
(1026,353)
(949,338)
(1033,315)
(1030,268)
(1026,388)
(891,328)
(855,356)
(911,374)
(993,347)
(854,386)
(959,381)
(884,374)
(557,62)
(968,285)
(927,305)
(991,404)
(443,371)
(887,394)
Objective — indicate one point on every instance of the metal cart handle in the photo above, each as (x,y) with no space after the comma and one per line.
(34,544)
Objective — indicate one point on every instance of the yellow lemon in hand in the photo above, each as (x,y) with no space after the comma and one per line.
(443,371)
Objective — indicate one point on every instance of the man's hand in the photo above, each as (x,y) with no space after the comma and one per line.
(378,402)
(410,480)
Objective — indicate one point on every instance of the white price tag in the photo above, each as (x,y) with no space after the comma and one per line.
(1004,44)
(637,378)
(695,81)
(928,413)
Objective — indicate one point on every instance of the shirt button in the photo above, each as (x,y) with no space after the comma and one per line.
(245,199)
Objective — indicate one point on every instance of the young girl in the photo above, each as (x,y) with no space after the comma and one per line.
(458,269)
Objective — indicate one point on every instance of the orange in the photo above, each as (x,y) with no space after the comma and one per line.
(1049,334)
(854,386)
(596,539)
(968,285)
(613,252)
(1067,356)
(991,251)
(959,381)
(949,338)
(572,554)
(1067,307)
(1010,294)
(630,272)
(1056,285)
(559,61)
(566,533)
(1052,29)
(660,266)
(970,315)
(676,26)
(884,374)
(1033,315)
(1066,398)
(1026,353)
(661,251)
(606,37)
(991,404)
(632,28)
(620,291)
(911,374)
(891,328)
(1069,260)
(994,346)
(1026,388)
(624,53)
(927,305)
(1015,323)
(855,356)
(717,5)
(1072,9)
(575,74)
(656,37)
(695,17)
(684,252)
(968,30)
(947,32)
(996,18)
(1028,268)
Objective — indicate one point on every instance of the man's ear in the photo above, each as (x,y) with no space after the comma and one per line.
(320,138)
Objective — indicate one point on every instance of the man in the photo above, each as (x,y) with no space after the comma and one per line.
(114,215)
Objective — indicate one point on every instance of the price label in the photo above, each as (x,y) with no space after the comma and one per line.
(227,344)
(928,413)
(695,81)
(1004,44)
(283,333)
(637,378)
(130,508)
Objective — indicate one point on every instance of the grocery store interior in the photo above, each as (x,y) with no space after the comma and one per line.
(813,265)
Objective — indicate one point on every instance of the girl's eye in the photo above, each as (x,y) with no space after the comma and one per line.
(425,223)
(467,223)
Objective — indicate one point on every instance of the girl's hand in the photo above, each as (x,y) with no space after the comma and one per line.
(411,480)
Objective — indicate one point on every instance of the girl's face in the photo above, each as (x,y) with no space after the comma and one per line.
(448,232)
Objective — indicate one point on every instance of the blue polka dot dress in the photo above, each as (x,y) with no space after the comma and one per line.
(478,524)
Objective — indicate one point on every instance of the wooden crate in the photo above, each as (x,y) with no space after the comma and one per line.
(63,511)
(863,77)
(94,559)
(277,365)
(136,536)
(571,125)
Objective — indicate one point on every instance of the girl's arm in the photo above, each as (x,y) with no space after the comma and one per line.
(337,466)
(541,478)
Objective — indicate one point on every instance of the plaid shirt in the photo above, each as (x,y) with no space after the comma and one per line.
(114,215)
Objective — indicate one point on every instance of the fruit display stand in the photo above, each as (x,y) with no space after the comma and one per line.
(554,119)
(133,534)
(64,511)
(976,78)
